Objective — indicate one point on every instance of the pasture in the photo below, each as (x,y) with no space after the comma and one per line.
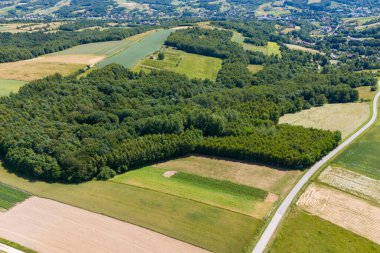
(10,196)
(208,227)
(253,68)
(345,118)
(134,53)
(223,194)
(8,86)
(365,93)
(62,228)
(343,210)
(183,63)
(263,177)
(272,48)
(302,232)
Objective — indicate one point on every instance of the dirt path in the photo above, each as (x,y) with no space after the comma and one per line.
(52,227)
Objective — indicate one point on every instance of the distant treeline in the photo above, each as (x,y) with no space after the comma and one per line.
(22,46)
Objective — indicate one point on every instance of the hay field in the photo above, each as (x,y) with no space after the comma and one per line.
(267,178)
(342,209)
(224,194)
(138,51)
(301,232)
(8,86)
(49,226)
(208,227)
(305,49)
(183,63)
(352,182)
(345,118)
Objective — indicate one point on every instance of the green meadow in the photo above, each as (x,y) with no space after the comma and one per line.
(192,65)
(8,86)
(302,232)
(10,196)
(224,194)
(134,53)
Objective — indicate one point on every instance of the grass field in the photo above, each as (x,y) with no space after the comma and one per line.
(305,49)
(302,232)
(237,37)
(253,68)
(10,196)
(8,86)
(224,194)
(345,118)
(212,228)
(183,63)
(269,179)
(268,9)
(366,93)
(271,49)
(146,46)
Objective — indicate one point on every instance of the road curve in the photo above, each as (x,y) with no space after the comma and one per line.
(8,249)
(273,224)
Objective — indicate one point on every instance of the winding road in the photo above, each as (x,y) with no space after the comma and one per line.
(273,224)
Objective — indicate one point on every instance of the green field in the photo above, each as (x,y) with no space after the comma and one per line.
(209,227)
(183,63)
(301,233)
(237,37)
(271,49)
(253,68)
(134,53)
(8,86)
(100,48)
(10,196)
(224,194)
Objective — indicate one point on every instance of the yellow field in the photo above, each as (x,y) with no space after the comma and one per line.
(28,27)
(365,93)
(305,49)
(342,117)
(253,68)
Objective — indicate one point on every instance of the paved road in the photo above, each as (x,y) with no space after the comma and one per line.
(7,249)
(272,226)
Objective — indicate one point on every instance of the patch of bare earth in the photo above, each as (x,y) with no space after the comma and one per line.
(52,227)
(169,173)
(345,118)
(352,182)
(267,178)
(342,209)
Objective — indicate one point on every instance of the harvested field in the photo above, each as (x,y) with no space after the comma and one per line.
(305,49)
(270,179)
(352,182)
(345,118)
(342,209)
(100,48)
(40,67)
(62,228)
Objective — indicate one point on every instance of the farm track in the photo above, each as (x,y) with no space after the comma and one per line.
(281,211)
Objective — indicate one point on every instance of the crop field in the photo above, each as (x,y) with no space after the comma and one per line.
(224,194)
(10,196)
(345,118)
(253,68)
(208,227)
(62,228)
(302,232)
(183,63)
(342,209)
(305,49)
(131,55)
(8,86)
(352,182)
(263,177)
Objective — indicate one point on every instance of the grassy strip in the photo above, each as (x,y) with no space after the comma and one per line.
(302,232)
(16,246)
(10,196)
(221,185)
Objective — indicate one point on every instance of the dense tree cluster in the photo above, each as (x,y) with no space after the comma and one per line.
(22,46)
(282,145)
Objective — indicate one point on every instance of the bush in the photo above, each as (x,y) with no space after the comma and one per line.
(105,173)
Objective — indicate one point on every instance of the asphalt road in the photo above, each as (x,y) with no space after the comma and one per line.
(7,249)
(273,224)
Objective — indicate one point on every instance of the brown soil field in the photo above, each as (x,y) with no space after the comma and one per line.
(345,118)
(352,182)
(267,178)
(43,66)
(342,209)
(52,227)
